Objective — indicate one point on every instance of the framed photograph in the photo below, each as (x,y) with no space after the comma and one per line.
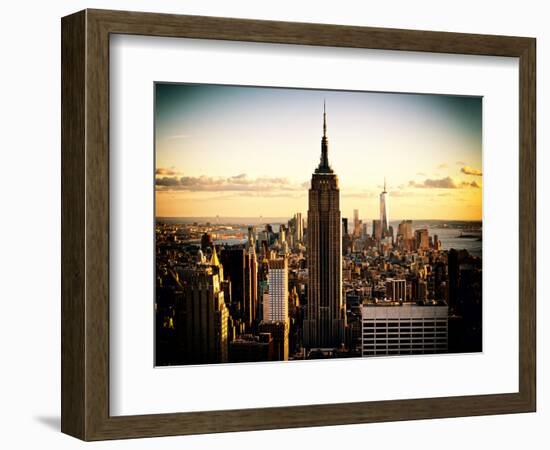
(272,225)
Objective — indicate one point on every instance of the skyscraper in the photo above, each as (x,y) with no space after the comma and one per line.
(202,316)
(344,226)
(384,221)
(422,239)
(356,223)
(276,300)
(240,269)
(325,315)
(299,227)
(405,229)
(251,286)
(275,308)
(377,229)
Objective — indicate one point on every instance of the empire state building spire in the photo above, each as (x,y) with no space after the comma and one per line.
(324,166)
(325,316)
(324,119)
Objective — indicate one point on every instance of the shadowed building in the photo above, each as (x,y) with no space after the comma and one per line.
(251,348)
(241,270)
(377,230)
(202,317)
(325,315)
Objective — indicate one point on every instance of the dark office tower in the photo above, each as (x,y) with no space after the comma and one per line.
(345,225)
(234,271)
(325,316)
(376,229)
(299,227)
(263,271)
(390,232)
(251,348)
(202,317)
(206,242)
(453,274)
(251,286)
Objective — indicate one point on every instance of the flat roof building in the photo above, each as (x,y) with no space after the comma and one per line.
(396,328)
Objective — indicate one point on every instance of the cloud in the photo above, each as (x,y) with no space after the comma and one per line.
(164,171)
(471,171)
(421,174)
(435,183)
(460,163)
(443,166)
(285,194)
(467,184)
(443,183)
(236,183)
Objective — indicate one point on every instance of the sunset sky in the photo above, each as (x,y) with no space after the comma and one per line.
(249,152)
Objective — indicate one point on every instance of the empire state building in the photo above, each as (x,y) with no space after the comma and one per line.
(325,315)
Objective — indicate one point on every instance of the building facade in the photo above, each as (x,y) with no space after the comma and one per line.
(392,328)
(202,318)
(299,228)
(325,315)
(276,299)
(422,239)
(396,289)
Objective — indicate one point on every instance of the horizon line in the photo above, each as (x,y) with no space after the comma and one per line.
(290,216)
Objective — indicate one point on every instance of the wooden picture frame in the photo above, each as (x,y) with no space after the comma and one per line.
(85,224)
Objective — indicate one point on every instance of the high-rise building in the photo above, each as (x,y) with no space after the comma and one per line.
(401,329)
(364,231)
(275,308)
(422,239)
(202,317)
(405,229)
(356,223)
(405,238)
(396,289)
(384,211)
(282,233)
(345,226)
(275,302)
(279,332)
(454,274)
(206,242)
(299,227)
(251,240)
(241,270)
(436,242)
(251,348)
(325,315)
(376,229)
(422,291)
(251,286)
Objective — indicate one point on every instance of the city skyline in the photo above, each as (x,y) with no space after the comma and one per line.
(428,147)
(314,288)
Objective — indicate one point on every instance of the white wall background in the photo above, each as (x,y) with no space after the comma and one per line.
(30,221)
